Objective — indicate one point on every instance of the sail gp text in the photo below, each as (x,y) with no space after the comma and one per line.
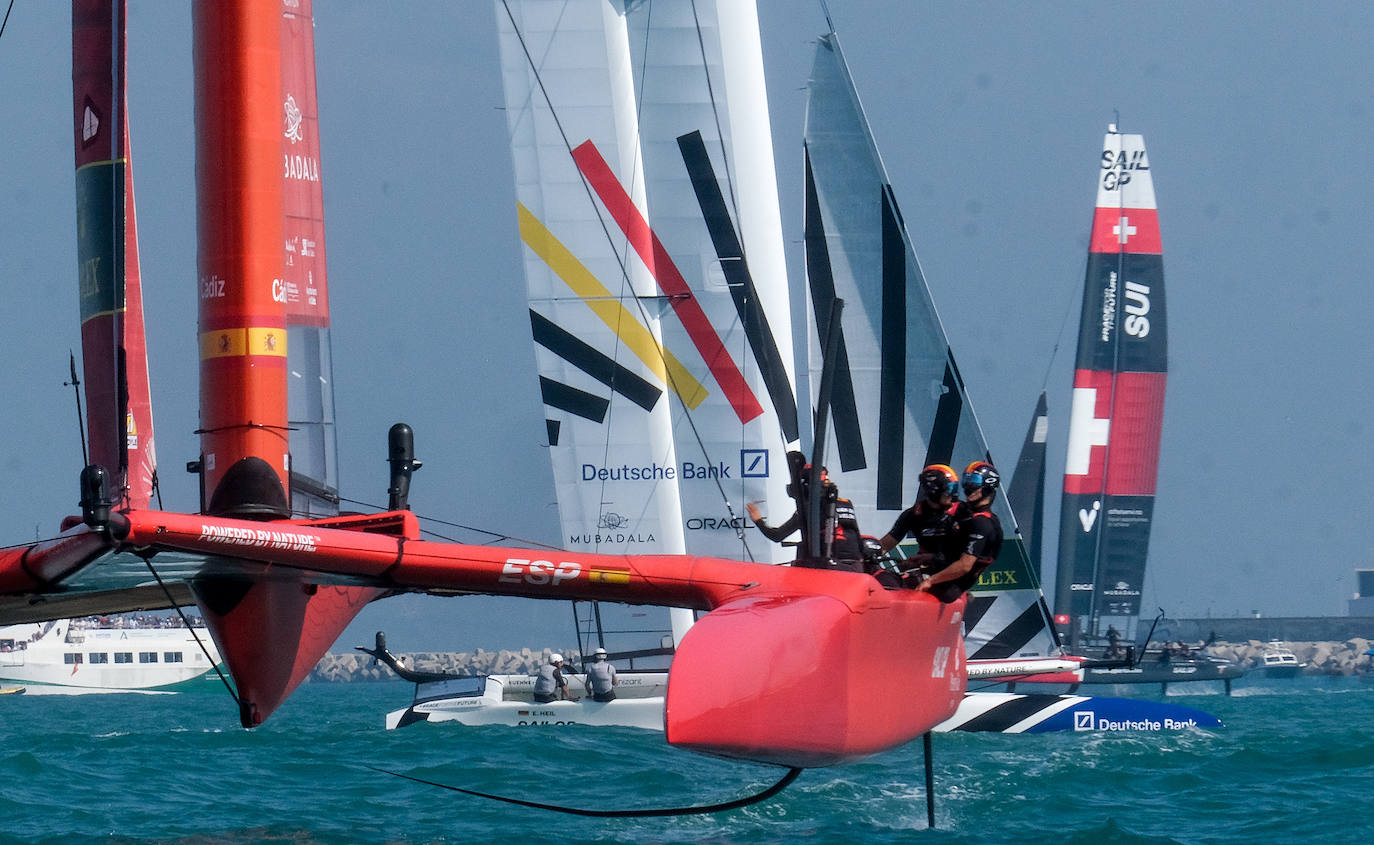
(688,471)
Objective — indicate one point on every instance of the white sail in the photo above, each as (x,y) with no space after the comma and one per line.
(899,402)
(654,263)
(594,312)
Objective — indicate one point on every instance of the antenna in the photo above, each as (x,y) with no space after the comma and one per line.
(825,9)
(818,546)
(75,385)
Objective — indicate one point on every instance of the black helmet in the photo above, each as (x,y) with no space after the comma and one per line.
(980,475)
(939,480)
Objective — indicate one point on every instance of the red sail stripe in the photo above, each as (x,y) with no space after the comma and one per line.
(1141,235)
(307,287)
(1133,404)
(1133,462)
(670,280)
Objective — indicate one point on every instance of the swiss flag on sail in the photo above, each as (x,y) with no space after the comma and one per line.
(1126,230)
(1114,433)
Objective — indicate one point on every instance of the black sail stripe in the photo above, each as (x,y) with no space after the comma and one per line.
(1013,712)
(892,380)
(592,362)
(843,408)
(552,426)
(741,284)
(1010,640)
(978,604)
(1026,493)
(940,449)
(565,397)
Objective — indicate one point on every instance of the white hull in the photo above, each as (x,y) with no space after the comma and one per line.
(644,713)
(66,658)
(628,685)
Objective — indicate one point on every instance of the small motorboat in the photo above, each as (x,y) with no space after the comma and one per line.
(1279,662)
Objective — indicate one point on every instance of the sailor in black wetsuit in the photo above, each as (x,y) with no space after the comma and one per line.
(931,521)
(845,548)
(978,532)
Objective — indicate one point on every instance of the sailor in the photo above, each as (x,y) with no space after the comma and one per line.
(601,679)
(551,684)
(931,520)
(1114,649)
(846,549)
(978,533)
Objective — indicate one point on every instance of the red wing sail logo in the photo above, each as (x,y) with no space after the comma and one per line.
(293,119)
(90,123)
(1088,518)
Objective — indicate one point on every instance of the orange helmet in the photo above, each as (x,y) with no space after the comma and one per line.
(939,480)
(980,475)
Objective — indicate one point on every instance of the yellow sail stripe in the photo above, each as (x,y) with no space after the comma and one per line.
(603,303)
(104,163)
(252,340)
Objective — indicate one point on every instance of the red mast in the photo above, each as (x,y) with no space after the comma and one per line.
(271,631)
(245,459)
(118,406)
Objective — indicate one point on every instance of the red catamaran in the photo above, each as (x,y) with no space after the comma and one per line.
(277,575)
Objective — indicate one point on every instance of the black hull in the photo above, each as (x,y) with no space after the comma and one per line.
(1171,673)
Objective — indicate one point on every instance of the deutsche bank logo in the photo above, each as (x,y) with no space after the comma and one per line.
(753,463)
(1083,720)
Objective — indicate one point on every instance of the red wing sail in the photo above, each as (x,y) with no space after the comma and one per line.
(257,174)
(305,286)
(113,350)
(1118,402)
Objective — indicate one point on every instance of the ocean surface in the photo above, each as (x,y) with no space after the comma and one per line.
(1294,764)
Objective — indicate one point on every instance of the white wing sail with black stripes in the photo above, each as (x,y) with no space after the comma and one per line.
(898,401)
(654,261)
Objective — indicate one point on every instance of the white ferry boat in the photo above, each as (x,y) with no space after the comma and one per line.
(105,655)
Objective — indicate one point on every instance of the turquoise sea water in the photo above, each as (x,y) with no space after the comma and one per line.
(1295,764)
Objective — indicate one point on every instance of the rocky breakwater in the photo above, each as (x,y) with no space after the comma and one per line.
(356,666)
(1322,658)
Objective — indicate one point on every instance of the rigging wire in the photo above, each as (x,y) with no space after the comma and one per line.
(587,189)
(618,254)
(764,795)
(499,537)
(1058,339)
(75,385)
(173,602)
(1095,612)
(9,9)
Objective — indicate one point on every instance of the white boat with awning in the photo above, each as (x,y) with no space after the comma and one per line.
(103,655)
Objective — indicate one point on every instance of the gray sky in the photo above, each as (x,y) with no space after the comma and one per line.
(989,118)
